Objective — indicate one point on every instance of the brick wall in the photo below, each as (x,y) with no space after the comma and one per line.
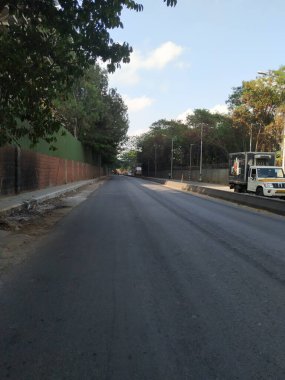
(23,170)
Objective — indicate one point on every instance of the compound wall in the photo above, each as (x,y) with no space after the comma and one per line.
(25,168)
(210,175)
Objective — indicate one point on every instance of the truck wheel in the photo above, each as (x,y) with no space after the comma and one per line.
(259,191)
(237,189)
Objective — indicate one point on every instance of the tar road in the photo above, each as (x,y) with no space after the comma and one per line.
(143,282)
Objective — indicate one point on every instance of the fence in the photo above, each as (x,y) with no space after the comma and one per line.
(210,174)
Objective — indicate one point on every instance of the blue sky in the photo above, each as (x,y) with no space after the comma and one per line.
(192,55)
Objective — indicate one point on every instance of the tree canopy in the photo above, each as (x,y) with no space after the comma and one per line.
(255,120)
(255,108)
(95,114)
(47,44)
(219,138)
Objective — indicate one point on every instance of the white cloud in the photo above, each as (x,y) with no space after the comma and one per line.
(182,117)
(183,65)
(138,104)
(161,56)
(220,108)
(138,132)
(157,59)
(127,75)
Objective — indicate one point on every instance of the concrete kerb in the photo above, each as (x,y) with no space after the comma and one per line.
(276,206)
(27,200)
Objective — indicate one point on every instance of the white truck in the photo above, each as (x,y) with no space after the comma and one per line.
(256,172)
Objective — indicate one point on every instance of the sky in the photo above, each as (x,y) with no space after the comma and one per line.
(192,55)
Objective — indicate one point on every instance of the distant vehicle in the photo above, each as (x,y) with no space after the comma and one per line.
(256,172)
(138,171)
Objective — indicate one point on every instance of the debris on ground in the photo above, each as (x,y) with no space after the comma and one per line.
(17,219)
(21,230)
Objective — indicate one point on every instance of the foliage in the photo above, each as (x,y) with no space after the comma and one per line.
(254,107)
(257,109)
(128,159)
(219,138)
(47,44)
(156,145)
(95,114)
(234,99)
(218,134)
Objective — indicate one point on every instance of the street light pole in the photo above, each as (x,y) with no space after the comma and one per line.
(201,154)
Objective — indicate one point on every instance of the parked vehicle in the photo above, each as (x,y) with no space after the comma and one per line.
(256,172)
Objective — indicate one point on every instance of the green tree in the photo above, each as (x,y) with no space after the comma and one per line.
(255,110)
(47,44)
(110,132)
(128,159)
(156,145)
(95,114)
(219,136)
(234,100)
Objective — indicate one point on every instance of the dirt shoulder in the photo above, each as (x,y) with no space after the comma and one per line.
(21,231)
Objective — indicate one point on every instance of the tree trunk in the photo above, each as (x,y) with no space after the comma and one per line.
(257,138)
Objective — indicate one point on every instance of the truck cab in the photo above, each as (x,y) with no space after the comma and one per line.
(266,180)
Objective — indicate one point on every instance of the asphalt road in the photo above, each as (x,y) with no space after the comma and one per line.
(144,282)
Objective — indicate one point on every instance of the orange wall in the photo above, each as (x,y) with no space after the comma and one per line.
(23,170)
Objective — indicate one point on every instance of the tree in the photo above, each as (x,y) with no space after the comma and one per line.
(255,107)
(219,137)
(234,99)
(47,44)
(128,159)
(95,114)
(156,145)
(111,130)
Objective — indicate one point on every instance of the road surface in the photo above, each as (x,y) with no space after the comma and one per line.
(143,282)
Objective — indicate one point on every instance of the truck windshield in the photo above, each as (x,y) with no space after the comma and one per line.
(270,173)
